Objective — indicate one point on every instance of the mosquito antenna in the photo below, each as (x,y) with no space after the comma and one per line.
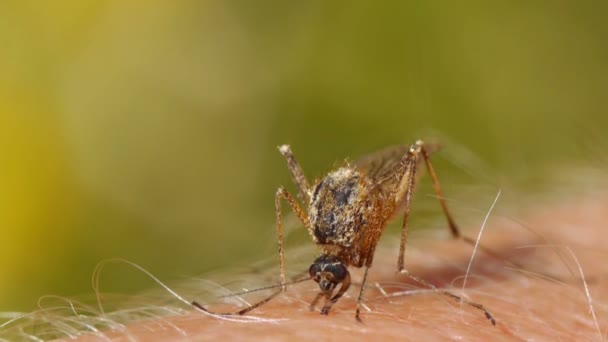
(250,307)
(264,288)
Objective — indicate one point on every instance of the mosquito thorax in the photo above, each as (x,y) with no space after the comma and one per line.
(338,206)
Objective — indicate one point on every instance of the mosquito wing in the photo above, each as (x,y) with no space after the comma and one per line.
(382,166)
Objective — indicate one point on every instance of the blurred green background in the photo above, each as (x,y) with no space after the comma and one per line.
(148,131)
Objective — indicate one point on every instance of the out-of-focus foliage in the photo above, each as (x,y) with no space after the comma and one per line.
(149,131)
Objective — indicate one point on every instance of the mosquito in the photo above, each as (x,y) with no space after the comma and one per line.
(347,211)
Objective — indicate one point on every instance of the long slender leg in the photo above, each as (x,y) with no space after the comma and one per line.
(437,187)
(451,223)
(296,173)
(405,188)
(358,310)
(451,295)
(403,191)
(283,194)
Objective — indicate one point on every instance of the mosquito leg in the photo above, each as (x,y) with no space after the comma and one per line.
(296,173)
(403,192)
(437,187)
(451,223)
(283,194)
(451,295)
(358,309)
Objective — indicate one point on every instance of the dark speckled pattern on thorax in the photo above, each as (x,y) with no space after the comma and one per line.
(337,208)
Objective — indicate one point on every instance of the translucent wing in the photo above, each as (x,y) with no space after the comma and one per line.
(382,166)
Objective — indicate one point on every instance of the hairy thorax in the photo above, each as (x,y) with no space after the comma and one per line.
(341,206)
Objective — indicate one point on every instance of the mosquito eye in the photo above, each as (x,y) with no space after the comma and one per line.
(314,270)
(339,271)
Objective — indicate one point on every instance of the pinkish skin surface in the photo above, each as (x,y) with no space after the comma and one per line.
(525,306)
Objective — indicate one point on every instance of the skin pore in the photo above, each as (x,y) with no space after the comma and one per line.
(534,289)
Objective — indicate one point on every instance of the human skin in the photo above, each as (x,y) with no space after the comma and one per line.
(532,286)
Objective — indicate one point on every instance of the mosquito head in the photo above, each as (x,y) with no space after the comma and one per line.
(328,271)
